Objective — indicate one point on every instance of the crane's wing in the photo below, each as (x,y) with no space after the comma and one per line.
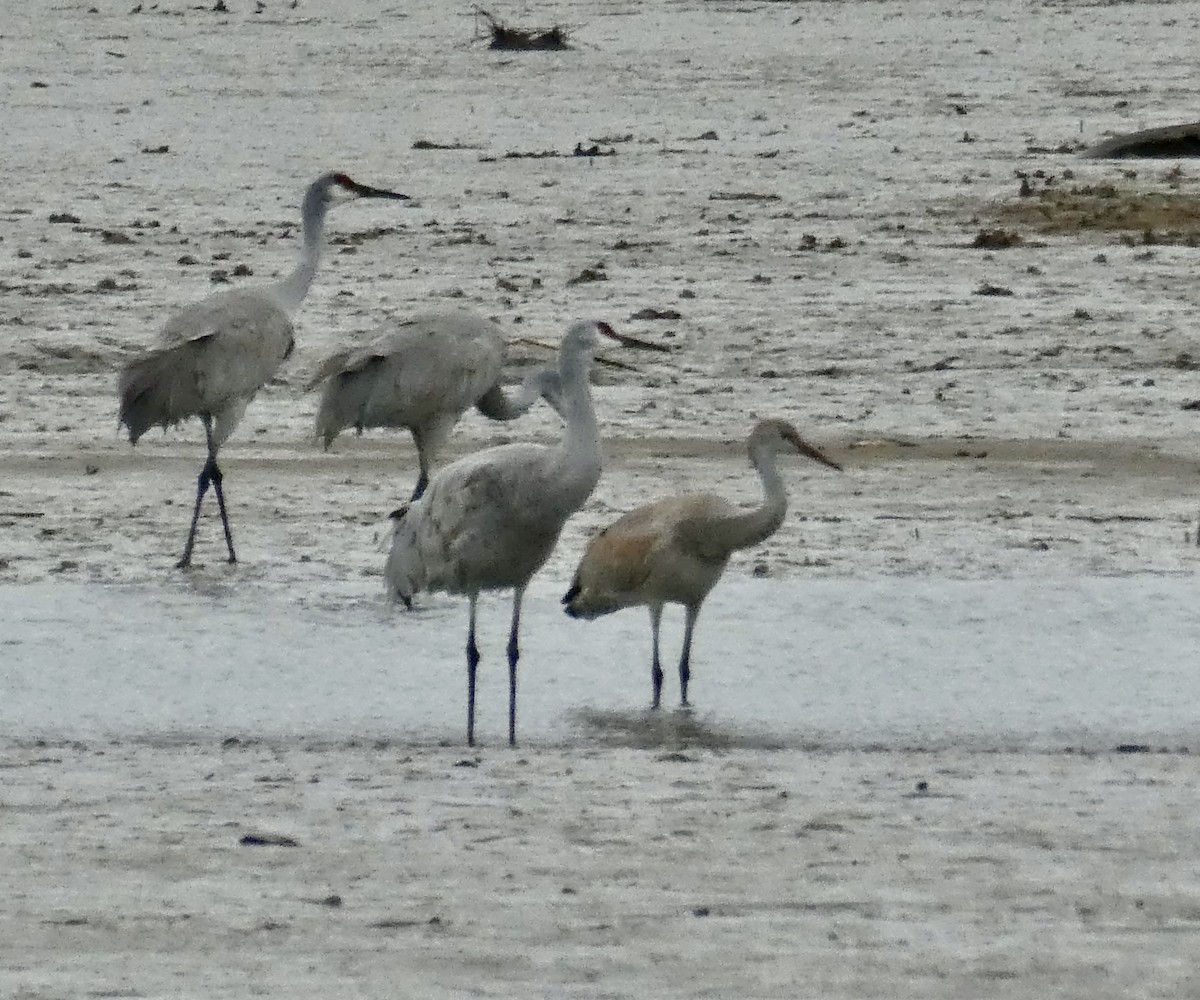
(476,527)
(211,358)
(621,559)
(424,374)
(693,530)
(614,568)
(343,362)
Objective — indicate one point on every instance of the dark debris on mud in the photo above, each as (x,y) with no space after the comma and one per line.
(510,39)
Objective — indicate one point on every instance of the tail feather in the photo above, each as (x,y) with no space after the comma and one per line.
(156,391)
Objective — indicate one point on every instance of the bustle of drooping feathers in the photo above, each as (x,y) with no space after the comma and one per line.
(211,359)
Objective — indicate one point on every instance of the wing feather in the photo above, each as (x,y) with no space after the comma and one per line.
(211,358)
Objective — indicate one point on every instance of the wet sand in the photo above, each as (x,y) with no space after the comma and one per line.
(668,871)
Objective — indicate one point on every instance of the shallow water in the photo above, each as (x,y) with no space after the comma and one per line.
(885,663)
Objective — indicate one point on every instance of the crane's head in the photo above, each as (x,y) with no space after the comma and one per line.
(589,331)
(582,338)
(779,435)
(335,187)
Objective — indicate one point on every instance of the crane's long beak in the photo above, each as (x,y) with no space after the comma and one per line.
(812,451)
(627,341)
(365,191)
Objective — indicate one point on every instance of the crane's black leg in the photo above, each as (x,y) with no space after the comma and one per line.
(685,669)
(210,474)
(202,482)
(656,674)
(514,654)
(215,474)
(472,664)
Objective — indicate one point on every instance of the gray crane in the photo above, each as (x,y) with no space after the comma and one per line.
(674,550)
(422,375)
(213,356)
(490,520)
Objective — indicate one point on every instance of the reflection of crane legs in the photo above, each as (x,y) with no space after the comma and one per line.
(211,473)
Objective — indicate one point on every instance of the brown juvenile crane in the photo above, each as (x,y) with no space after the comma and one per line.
(674,550)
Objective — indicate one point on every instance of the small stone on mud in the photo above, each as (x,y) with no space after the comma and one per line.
(268,840)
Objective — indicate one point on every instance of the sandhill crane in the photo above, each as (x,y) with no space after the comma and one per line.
(212,357)
(424,376)
(490,520)
(673,551)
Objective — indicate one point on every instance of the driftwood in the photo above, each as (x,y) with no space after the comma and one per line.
(521,40)
(1169,142)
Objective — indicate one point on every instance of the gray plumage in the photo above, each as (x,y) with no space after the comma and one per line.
(213,357)
(489,521)
(674,550)
(423,375)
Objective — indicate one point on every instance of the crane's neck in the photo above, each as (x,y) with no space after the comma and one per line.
(294,287)
(496,404)
(744,530)
(581,455)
